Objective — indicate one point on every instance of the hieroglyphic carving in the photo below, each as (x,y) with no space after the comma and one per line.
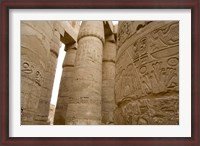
(128,28)
(124,31)
(169,34)
(150,111)
(35,48)
(38,78)
(31,69)
(90,52)
(26,68)
(31,88)
(87,79)
(152,71)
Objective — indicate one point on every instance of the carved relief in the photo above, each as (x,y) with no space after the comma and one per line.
(90,50)
(38,78)
(169,34)
(146,89)
(87,79)
(30,69)
(144,74)
(164,41)
(150,111)
(26,68)
(173,61)
(124,32)
(128,28)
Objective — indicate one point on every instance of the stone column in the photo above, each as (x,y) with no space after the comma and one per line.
(147,73)
(108,101)
(85,106)
(65,85)
(44,102)
(35,46)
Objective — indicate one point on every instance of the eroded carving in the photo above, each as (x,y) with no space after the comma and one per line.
(149,81)
(142,76)
(26,68)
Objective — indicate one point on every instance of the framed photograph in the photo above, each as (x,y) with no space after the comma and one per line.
(100,73)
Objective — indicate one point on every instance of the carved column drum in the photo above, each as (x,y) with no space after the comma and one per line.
(85,105)
(147,73)
(35,51)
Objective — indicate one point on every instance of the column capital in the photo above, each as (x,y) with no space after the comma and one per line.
(92,28)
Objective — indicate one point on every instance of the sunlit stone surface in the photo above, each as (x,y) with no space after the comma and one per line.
(124,74)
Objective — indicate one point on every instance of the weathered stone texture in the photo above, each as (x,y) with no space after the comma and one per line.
(85,105)
(34,65)
(65,91)
(40,43)
(69,34)
(123,74)
(76,25)
(108,78)
(146,83)
(43,107)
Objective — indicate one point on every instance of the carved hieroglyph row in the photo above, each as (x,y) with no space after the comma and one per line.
(149,67)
